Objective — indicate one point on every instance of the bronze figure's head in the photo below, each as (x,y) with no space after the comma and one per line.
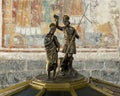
(66,20)
(52,28)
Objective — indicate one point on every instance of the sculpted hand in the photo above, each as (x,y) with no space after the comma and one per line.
(56,17)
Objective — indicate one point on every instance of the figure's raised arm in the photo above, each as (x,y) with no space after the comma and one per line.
(57,23)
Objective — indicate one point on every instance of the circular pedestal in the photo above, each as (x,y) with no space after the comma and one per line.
(60,79)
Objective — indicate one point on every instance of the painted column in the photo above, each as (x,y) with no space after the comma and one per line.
(46,9)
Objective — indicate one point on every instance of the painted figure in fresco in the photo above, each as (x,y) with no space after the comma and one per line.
(52,47)
(69,47)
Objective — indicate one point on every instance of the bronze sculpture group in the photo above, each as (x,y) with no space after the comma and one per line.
(52,47)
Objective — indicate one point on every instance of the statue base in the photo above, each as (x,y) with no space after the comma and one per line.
(60,78)
(63,84)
